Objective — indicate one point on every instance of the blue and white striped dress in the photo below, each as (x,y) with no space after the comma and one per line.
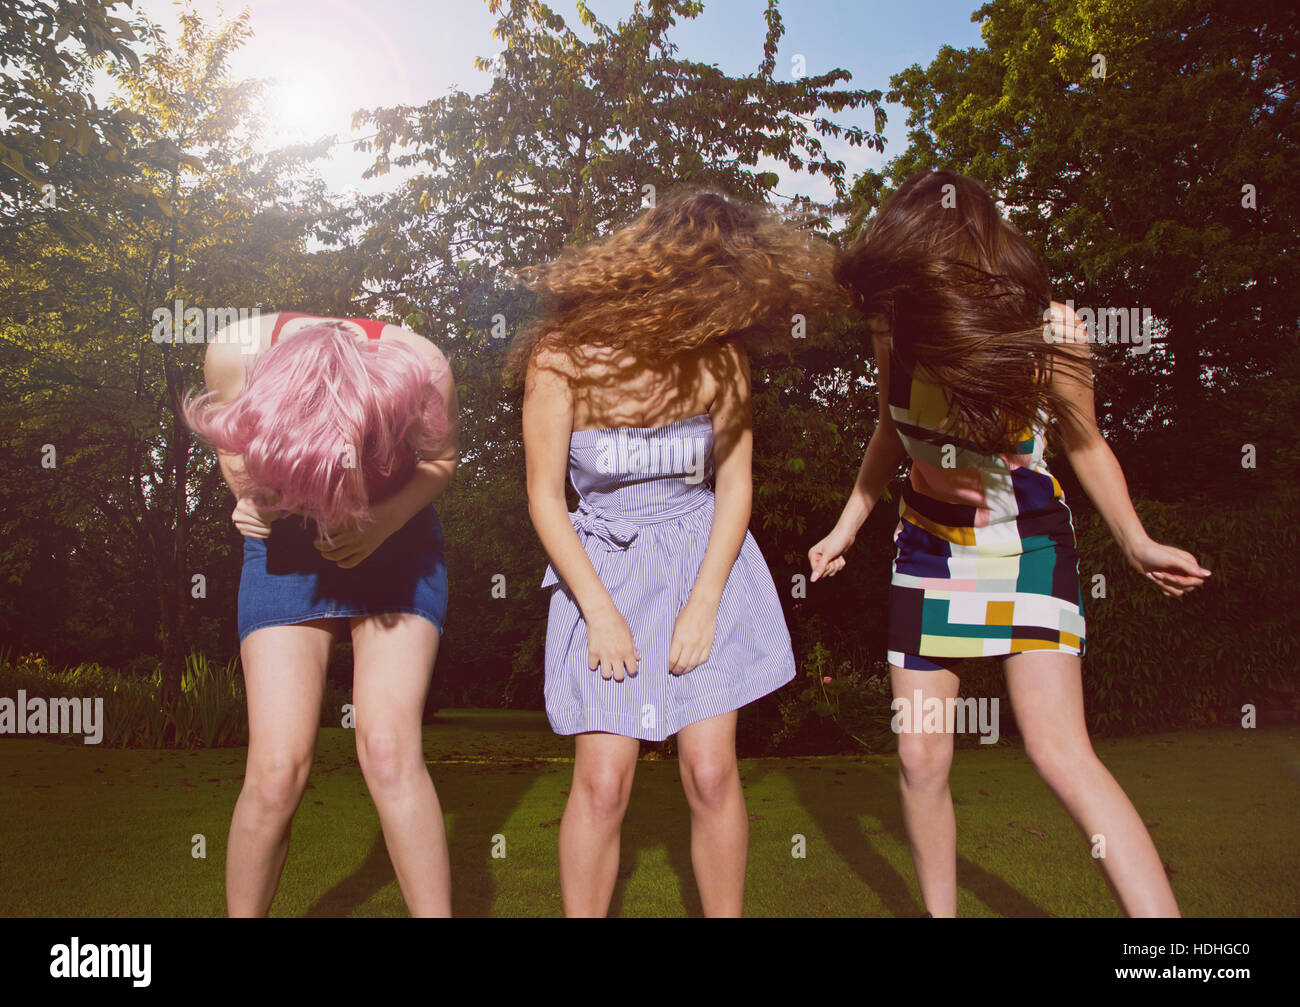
(644,516)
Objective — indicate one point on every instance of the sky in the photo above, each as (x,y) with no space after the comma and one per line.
(329,57)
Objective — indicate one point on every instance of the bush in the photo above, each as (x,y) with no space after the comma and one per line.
(839,708)
(211,711)
(524,689)
(1156,663)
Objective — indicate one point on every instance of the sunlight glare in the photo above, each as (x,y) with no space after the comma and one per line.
(303,106)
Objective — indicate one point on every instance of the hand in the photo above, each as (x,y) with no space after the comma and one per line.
(1173,571)
(693,633)
(827,556)
(251,520)
(352,544)
(610,645)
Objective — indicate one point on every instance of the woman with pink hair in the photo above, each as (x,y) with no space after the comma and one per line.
(336,436)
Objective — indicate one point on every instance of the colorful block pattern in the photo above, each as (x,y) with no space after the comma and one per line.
(985,563)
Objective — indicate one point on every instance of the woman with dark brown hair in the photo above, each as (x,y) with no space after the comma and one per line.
(973,360)
(663,616)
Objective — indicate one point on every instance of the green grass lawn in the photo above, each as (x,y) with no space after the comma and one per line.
(86,831)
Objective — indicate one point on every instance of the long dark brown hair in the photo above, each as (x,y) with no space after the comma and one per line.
(697,267)
(964,296)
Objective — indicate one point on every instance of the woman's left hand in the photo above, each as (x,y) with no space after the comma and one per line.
(692,636)
(1174,571)
(351,545)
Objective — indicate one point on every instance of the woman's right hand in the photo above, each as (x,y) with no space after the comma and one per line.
(610,645)
(251,520)
(827,556)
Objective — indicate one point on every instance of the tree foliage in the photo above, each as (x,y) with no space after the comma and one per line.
(1120,136)
(113,512)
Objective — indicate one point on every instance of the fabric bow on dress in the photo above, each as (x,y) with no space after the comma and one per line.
(614,533)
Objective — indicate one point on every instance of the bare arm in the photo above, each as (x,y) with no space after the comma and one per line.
(224,366)
(879,463)
(1098,471)
(223,372)
(548,425)
(733,439)
(433,469)
(430,476)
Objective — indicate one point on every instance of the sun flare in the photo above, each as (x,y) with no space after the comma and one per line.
(303,106)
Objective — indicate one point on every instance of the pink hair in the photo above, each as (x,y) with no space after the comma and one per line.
(320,411)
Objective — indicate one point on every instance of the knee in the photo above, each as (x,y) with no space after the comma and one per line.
(1056,759)
(924,760)
(387,760)
(606,792)
(710,782)
(275,785)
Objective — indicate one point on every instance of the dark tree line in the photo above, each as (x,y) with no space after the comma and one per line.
(1149,156)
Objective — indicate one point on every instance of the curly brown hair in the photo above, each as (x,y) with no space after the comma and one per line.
(696,267)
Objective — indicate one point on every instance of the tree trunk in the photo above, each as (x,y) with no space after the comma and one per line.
(176,584)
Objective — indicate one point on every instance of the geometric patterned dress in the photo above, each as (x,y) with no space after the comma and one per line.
(986,563)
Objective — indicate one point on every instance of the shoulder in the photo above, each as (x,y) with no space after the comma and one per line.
(724,357)
(877,325)
(726,374)
(422,345)
(550,360)
(233,347)
(246,338)
(224,367)
(549,383)
(733,351)
(551,374)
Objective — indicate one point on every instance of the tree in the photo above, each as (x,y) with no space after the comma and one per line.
(1121,136)
(574,135)
(88,370)
(61,150)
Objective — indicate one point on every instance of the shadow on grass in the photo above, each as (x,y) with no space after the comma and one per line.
(477,797)
(877,794)
(647,826)
(476,812)
(480,814)
(881,798)
(375,872)
(479,811)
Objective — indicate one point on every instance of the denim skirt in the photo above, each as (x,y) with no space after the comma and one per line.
(286,580)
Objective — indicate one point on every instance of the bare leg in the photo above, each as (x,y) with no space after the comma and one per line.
(924,760)
(719,821)
(394,657)
(1046,690)
(284,676)
(603,767)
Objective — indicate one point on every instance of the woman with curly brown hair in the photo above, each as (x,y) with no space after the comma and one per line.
(663,616)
